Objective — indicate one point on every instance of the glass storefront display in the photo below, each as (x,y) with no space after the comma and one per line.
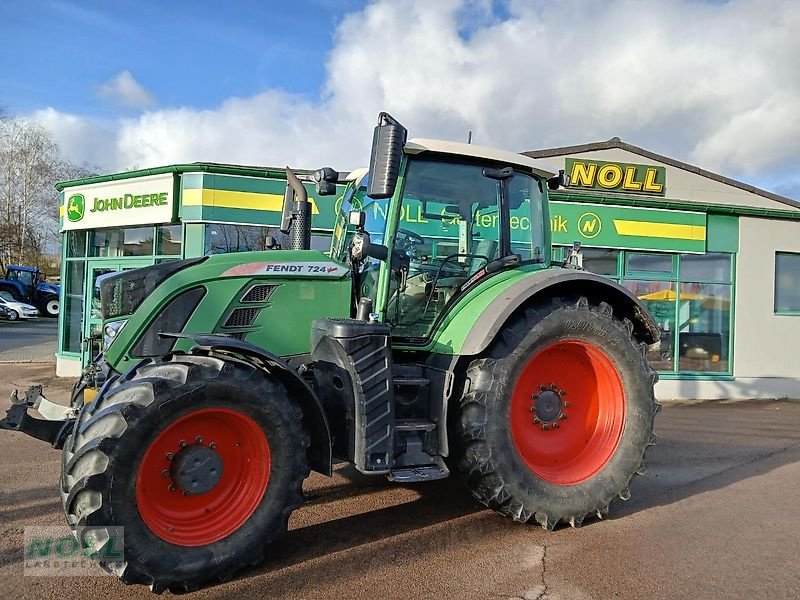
(689,296)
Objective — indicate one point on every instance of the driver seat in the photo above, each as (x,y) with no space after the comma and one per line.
(485,248)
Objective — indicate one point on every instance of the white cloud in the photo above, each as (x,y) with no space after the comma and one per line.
(124,89)
(712,83)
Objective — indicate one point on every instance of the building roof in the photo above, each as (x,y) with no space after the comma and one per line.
(615,142)
(197,167)
(540,167)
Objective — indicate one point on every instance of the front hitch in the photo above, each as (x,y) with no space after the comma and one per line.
(54,428)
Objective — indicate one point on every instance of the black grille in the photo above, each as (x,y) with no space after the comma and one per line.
(172,319)
(259,293)
(242,317)
(122,293)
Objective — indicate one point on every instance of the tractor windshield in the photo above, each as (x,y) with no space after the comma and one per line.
(355,198)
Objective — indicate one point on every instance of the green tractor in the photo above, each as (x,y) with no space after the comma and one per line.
(435,334)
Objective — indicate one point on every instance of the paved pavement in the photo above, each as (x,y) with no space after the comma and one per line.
(28,341)
(715,517)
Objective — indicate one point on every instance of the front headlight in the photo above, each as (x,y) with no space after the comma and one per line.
(110,332)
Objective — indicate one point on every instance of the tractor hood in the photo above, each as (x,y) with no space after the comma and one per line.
(268,299)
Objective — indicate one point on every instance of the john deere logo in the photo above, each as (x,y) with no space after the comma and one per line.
(76,207)
(589,225)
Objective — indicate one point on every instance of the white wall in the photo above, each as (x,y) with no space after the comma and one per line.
(766,344)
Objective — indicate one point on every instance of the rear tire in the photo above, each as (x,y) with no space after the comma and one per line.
(555,422)
(112,471)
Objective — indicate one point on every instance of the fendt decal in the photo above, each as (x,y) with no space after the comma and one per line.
(294,269)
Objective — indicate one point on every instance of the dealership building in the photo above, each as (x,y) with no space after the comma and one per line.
(716,261)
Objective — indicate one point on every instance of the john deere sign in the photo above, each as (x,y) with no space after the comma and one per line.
(140,201)
(617,177)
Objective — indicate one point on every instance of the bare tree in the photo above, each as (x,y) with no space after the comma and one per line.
(30,166)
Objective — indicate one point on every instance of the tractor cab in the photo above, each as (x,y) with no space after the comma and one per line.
(462,213)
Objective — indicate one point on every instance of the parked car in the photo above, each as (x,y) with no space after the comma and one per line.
(4,312)
(14,310)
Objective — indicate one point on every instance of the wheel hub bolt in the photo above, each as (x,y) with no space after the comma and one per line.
(172,487)
(548,407)
(170,456)
(198,440)
(182,443)
(165,473)
(212,445)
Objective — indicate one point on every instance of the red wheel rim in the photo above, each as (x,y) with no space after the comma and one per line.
(586,389)
(197,520)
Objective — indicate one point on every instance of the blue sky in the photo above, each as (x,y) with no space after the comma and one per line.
(185,53)
(128,83)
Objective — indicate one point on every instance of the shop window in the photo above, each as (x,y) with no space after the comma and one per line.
(713,266)
(704,318)
(656,264)
(222,238)
(659,297)
(76,244)
(787,283)
(602,261)
(72,334)
(169,240)
(693,312)
(133,241)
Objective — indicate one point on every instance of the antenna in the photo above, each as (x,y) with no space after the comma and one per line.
(469,137)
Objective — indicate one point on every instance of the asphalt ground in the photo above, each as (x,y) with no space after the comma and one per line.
(28,341)
(716,516)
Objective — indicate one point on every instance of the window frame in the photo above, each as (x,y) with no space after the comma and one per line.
(776,311)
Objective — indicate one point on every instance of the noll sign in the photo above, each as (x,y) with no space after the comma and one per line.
(617,177)
(140,201)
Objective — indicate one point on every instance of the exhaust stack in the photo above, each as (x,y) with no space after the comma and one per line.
(296,216)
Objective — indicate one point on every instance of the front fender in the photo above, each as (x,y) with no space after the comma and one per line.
(314,418)
(559,283)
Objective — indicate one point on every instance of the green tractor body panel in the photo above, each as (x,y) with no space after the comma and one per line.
(450,335)
(303,285)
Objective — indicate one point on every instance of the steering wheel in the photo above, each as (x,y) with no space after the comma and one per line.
(408,242)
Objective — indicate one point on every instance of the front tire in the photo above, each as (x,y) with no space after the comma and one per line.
(13,315)
(555,422)
(138,452)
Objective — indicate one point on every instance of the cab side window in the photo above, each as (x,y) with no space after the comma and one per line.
(449,228)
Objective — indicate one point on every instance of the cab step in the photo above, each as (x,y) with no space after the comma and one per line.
(414,425)
(420,473)
(400,381)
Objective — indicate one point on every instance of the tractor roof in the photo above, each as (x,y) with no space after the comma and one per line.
(27,269)
(419,145)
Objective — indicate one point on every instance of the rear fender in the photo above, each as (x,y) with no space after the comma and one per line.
(314,418)
(559,283)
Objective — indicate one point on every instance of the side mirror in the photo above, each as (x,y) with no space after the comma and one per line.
(560,180)
(326,179)
(387,152)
